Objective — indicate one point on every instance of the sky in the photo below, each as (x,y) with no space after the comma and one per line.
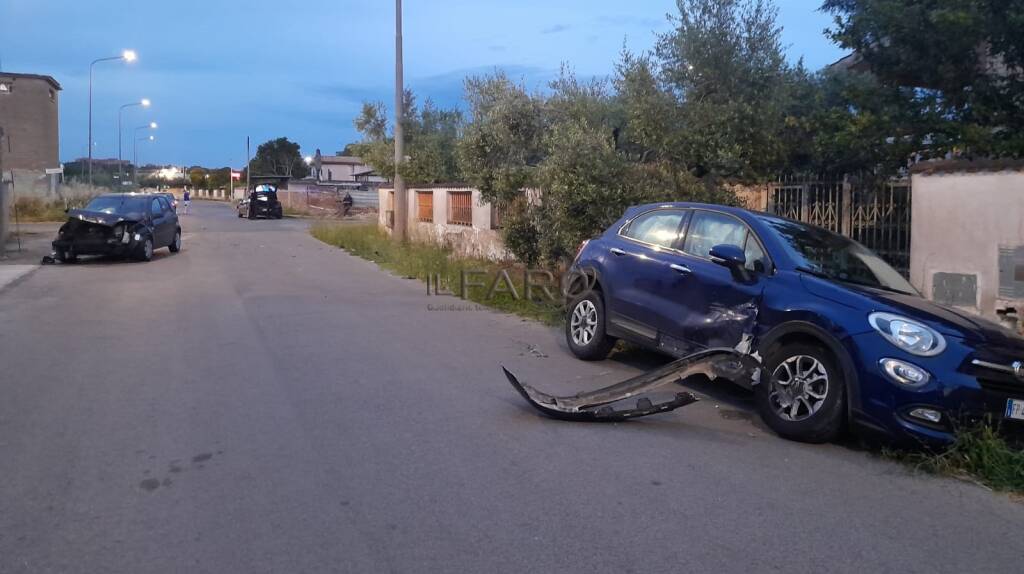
(218,71)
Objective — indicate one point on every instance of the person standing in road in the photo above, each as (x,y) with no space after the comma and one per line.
(185,200)
(346,204)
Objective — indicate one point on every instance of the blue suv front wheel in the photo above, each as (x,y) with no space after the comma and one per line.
(802,393)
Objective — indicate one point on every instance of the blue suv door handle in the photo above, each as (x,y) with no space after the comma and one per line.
(681,269)
(617,251)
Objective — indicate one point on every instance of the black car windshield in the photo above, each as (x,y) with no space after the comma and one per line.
(821,252)
(118,204)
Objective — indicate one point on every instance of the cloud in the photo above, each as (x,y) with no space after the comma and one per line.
(556,29)
(444,89)
(633,21)
(351,93)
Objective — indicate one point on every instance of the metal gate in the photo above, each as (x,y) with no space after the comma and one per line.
(873,213)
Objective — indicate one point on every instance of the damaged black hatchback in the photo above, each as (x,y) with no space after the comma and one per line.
(119,225)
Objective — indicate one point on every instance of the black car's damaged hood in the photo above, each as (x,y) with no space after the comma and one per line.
(102,217)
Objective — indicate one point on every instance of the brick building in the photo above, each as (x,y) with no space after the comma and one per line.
(29,114)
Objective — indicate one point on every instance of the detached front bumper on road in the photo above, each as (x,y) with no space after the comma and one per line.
(598,405)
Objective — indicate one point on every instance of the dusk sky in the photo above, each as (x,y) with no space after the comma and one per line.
(220,71)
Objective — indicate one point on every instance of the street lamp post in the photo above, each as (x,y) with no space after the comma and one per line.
(144,103)
(135,158)
(128,56)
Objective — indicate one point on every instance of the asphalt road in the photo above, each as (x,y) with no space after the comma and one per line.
(261,402)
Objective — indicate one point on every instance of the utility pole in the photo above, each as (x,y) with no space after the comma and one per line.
(3,199)
(248,165)
(401,202)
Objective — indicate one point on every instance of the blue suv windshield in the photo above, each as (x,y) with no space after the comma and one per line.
(826,254)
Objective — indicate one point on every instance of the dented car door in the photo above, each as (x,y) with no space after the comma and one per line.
(713,306)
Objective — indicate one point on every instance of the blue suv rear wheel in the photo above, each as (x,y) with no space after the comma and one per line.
(585,328)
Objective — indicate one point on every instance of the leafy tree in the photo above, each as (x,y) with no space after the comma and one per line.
(955,67)
(570,144)
(279,157)
(431,134)
(219,178)
(503,143)
(198,178)
(725,68)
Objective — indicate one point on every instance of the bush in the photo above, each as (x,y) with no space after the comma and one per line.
(521,233)
(33,209)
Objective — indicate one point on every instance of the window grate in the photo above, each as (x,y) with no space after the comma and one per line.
(425,206)
(460,208)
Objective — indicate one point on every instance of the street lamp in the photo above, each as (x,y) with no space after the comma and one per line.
(144,102)
(126,56)
(135,161)
(149,126)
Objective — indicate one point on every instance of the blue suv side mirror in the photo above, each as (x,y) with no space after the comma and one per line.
(730,256)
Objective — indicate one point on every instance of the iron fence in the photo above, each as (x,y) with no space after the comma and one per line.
(872,212)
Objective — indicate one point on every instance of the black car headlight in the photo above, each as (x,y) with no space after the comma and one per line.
(907,334)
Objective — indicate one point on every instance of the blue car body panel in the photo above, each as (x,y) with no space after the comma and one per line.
(650,302)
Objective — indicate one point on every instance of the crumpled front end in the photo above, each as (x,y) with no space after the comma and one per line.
(83,237)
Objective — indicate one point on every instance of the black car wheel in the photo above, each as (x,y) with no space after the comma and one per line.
(802,393)
(145,250)
(584,328)
(175,245)
(66,256)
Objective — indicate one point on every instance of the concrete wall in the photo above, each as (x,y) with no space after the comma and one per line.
(29,113)
(477,240)
(960,221)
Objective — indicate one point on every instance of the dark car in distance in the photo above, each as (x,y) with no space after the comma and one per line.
(843,338)
(120,225)
(170,199)
(262,202)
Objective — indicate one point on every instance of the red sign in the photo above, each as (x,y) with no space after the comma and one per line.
(236,175)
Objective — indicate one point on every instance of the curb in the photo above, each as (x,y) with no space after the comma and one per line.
(10,279)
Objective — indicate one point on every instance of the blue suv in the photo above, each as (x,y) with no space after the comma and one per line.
(843,338)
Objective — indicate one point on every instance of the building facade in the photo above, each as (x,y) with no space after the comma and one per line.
(342,169)
(30,116)
(454,217)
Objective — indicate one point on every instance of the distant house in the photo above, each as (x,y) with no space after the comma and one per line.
(339,175)
(341,169)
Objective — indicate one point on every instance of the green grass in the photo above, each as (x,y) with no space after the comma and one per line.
(34,209)
(420,261)
(980,454)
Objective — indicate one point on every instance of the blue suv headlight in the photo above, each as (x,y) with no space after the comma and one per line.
(907,334)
